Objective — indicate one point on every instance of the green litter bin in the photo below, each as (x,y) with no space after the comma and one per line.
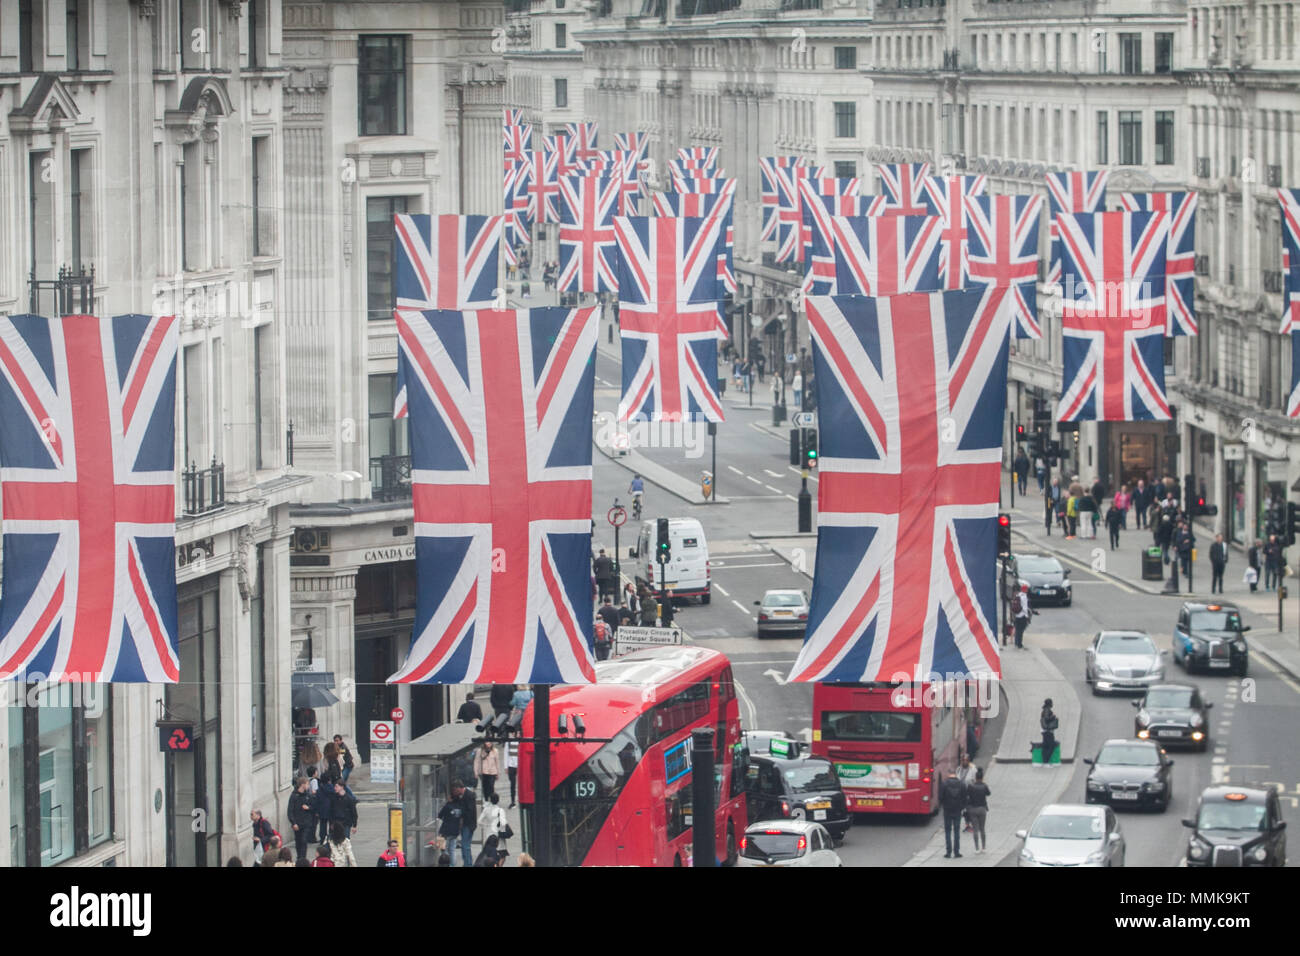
(1152,567)
(1036,754)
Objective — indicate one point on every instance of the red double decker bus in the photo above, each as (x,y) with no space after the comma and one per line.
(892,743)
(628,802)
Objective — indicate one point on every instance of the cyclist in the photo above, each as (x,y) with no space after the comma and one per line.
(636,489)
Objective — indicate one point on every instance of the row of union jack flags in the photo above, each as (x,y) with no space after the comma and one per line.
(1289,199)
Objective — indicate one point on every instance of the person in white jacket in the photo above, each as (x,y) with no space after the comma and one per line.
(492,822)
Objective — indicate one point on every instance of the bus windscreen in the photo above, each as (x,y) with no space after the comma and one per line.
(871,726)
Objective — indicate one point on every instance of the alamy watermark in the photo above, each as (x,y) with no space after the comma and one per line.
(640,432)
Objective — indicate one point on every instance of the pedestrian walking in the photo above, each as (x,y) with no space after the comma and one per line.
(264,835)
(323,856)
(341,846)
(966,774)
(1048,722)
(1184,541)
(1098,493)
(500,698)
(1141,502)
(649,608)
(1021,612)
(1072,514)
(512,768)
(302,817)
(952,798)
(1040,472)
(470,712)
(519,702)
(977,809)
(1021,466)
(343,807)
(603,636)
(1121,501)
(324,800)
(392,856)
(631,598)
(344,755)
(1087,508)
(603,568)
(285,857)
(492,822)
(1114,521)
(458,816)
(486,767)
(1272,563)
(609,614)
(625,616)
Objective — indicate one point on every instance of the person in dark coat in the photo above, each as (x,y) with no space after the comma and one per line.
(302,817)
(500,698)
(1048,722)
(1098,493)
(625,615)
(459,816)
(1184,541)
(1114,520)
(1218,561)
(343,807)
(324,803)
(1021,466)
(603,568)
(609,614)
(1272,563)
(470,712)
(952,798)
(1141,502)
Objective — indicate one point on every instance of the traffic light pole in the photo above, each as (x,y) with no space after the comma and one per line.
(1013,459)
(541,829)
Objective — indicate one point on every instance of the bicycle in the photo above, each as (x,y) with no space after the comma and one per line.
(636,506)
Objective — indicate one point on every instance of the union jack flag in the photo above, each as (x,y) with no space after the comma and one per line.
(904,188)
(518,140)
(774,183)
(670,361)
(1290,202)
(87,432)
(1291,301)
(501,408)
(789,212)
(542,185)
(944,196)
(1071,192)
(1112,268)
(822,199)
(701,205)
(637,143)
(1293,401)
(562,149)
(669,259)
(583,136)
(447,262)
(885,254)
(702,183)
(619,164)
(705,157)
(1003,253)
(1180,254)
(588,248)
(514,116)
(517,227)
(911,390)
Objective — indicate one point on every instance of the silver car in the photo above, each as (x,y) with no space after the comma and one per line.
(1123,660)
(1067,834)
(782,610)
(787,843)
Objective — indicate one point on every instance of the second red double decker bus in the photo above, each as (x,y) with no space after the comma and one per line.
(627,802)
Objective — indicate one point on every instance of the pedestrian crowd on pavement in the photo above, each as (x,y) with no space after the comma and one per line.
(964,799)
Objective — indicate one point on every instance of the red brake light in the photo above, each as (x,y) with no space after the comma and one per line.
(743,840)
(785,809)
(762,616)
(773,832)
(803,843)
(803,616)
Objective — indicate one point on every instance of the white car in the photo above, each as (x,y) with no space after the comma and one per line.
(1070,834)
(787,843)
(1123,660)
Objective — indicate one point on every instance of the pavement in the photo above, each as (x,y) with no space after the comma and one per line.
(1124,567)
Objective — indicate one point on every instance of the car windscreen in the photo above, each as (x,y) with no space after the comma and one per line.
(812,777)
(871,726)
(1036,565)
(1063,826)
(1126,644)
(772,846)
(783,600)
(1215,621)
(1128,755)
(1170,697)
(1231,816)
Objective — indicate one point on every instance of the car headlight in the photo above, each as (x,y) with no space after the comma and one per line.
(1103,667)
(1260,854)
(1026,855)
(1094,858)
(1197,850)
(1094,785)
(1196,720)
(1239,644)
(1144,718)
(1153,785)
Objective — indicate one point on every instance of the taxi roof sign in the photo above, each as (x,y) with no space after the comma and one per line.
(1234,796)
(780,747)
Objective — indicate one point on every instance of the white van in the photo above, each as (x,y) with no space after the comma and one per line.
(687,573)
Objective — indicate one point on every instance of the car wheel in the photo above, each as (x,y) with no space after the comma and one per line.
(1067,602)
(733,854)
(706,599)
(1204,746)
(1244,669)
(1093,688)
(761,635)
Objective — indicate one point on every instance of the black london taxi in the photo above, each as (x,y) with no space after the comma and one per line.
(781,781)
(1237,826)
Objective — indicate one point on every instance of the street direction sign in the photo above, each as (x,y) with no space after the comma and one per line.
(803,419)
(617,516)
(628,638)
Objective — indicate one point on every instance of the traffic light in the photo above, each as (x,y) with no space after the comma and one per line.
(1004,533)
(810,448)
(664,550)
(1199,507)
(1292,522)
(1021,433)
(1035,447)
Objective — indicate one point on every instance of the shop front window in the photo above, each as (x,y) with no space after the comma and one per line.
(1237,502)
(54,775)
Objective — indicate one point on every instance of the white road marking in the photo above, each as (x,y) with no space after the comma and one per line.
(755,497)
(732,567)
(792,497)
(748,704)
(774,474)
(735,469)
(743,610)
(776,676)
(777,490)
(787,661)
(800,473)
(753,479)
(721,590)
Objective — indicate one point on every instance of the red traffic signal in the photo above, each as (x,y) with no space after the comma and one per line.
(1004,521)
(1020,432)
(1004,533)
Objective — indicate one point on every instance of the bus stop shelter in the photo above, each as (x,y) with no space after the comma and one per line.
(428,766)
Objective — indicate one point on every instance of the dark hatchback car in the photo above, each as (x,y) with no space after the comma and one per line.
(1130,773)
(1173,714)
(1210,637)
(1237,826)
(796,786)
(1048,579)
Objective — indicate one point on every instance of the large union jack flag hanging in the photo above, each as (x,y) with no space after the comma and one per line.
(903,185)
(670,361)
(87,438)
(1071,192)
(775,183)
(911,391)
(702,205)
(541,184)
(700,157)
(1003,253)
(886,254)
(661,259)
(562,150)
(447,262)
(518,140)
(1180,254)
(588,249)
(1112,273)
(501,408)
(1290,202)
(945,197)
(583,136)
(822,199)
(1293,401)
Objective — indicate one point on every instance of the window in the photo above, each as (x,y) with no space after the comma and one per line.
(380,248)
(40,209)
(1101,51)
(192,37)
(845,168)
(846,58)
(78,35)
(192,206)
(561,92)
(1103,137)
(1164,137)
(254,17)
(263,209)
(388,436)
(561,36)
(1164,52)
(80,210)
(846,120)
(265,396)
(559,4)
(27,23)
(1130,53)
(1130,138)
(257,644)
(381,85)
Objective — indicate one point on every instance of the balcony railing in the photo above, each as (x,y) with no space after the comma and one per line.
(703,8)
(390,477)
(72,293)
(205,488)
